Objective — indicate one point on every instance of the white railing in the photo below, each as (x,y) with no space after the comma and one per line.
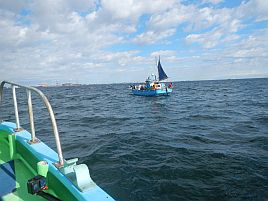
(30,111)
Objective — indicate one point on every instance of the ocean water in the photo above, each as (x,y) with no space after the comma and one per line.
(206,141)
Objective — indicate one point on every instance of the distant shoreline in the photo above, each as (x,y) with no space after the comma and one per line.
(76,85)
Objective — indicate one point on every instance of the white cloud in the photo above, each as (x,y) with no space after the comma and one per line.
(13,5)
(170,18)
(254,8)
(252,47)
(213,1)
(151,37)
(207,40)
(247,57)
(196,18)
(223,23)
(168,56)
(82,5)
(132,10)
(165,53)
(53,38)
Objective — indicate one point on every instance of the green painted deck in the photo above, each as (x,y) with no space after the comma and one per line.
(25,169)
(22,171)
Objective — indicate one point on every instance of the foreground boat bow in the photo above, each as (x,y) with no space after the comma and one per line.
(30,170)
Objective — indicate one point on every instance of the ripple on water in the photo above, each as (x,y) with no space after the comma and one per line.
(207,141)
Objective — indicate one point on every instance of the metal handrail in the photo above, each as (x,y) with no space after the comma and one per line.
(48,106)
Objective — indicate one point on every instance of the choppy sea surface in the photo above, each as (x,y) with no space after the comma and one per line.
(206,141)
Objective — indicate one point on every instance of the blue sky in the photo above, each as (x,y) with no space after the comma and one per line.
(113,41)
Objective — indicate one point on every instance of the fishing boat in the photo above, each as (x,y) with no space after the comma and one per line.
(152,85)
(30,170)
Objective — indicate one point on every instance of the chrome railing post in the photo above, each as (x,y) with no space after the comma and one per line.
(31,119)
(50,111)
(55,129)
(16,107)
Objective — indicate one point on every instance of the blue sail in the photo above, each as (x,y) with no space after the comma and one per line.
(161,73)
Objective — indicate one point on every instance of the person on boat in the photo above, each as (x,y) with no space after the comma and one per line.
(170,85)
(147,85)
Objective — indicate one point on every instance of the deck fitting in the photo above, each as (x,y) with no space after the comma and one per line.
(58,165)
(33,141)
(18,129)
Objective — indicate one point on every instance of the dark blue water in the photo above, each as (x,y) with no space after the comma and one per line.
(207,141)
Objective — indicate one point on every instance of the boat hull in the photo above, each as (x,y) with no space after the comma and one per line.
(157,92)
